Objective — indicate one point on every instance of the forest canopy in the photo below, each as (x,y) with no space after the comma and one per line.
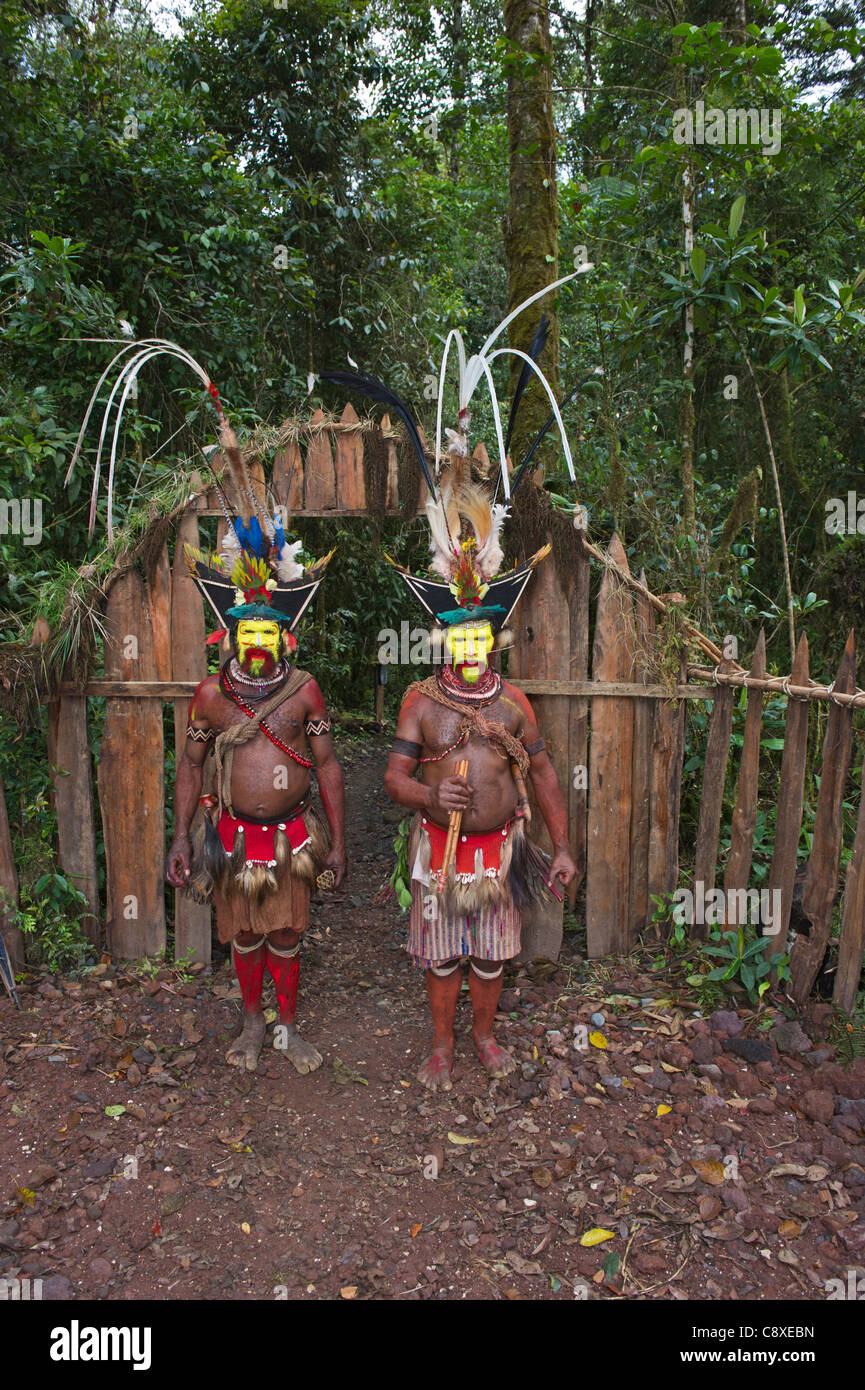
(282,187)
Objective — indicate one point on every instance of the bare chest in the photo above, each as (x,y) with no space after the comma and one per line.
(441,727)
(286,720)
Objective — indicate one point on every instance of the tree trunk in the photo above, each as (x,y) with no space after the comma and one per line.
(687,421)
(457,117)
(531,231)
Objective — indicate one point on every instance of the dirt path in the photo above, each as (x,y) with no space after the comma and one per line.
(720,1166)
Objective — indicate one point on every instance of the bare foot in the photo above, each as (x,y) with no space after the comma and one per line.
(245,1049)
(435,1073)
(305,1057)
(494,1059)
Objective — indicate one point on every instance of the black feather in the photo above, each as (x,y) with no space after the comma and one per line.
(529,871)
(377,391)
(590,376)
(538,344)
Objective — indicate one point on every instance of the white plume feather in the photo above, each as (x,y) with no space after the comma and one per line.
(287,567)
(444,559)
(489,558)
(230,552)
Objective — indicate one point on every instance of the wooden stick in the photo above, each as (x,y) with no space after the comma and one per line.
(523,807)
(781,685)
(455,820)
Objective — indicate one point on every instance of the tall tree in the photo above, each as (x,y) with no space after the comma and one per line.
(531,227)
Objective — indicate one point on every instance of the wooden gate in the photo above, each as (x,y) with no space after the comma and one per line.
(614,720)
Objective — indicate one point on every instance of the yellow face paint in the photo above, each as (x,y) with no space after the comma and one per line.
(469,646)
(258,645)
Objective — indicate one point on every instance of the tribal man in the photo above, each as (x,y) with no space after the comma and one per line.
(259,845)
(470,734)
(466,711)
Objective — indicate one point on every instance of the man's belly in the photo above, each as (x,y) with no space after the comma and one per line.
(494,795)
(265,783)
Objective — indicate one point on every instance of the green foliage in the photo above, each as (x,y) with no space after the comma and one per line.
(280,187)
(400,879)
(46,913)
(745,962)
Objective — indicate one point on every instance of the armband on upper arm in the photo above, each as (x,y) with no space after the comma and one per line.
(407,749)
(198,735)
(315,727)
(537,746)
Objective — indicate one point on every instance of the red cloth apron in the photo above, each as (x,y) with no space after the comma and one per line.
(259,839)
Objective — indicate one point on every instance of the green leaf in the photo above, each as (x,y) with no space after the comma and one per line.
(736,213)
(698,263)
(798,306)
(611,1264)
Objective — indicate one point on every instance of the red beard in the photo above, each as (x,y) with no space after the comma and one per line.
(268,665)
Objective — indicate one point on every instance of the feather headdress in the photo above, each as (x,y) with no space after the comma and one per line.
(257,572)
(464,517)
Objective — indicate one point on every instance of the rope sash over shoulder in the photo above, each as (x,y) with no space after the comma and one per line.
(475,722)
(227,741)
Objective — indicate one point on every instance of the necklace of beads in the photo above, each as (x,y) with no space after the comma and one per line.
(486,690)
(238,675)
(265,728)
(437,757)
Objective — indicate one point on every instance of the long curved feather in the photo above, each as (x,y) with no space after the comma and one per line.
(377,391)
(538,343)
(142,351)
(589,376)
(473,371)
(557,415)
(453,336)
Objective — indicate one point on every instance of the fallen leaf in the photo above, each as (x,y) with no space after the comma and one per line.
(25,1196)
(114,1111)
(664,1110)
(709,1170)
(542,1177)
(642,1070)
(520,1265)
(189,1025)
(597,1040)
(461,1138)
(246,1228)
(596,1235)
(343,1074)
(666,1066)
(813,1173)
(349,1291)
(233,1140)
(708,1207)
(789,1230)
(416,1229)
(119,1027)
(787,1257)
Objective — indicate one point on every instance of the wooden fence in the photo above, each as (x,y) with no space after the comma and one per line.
(623,786)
